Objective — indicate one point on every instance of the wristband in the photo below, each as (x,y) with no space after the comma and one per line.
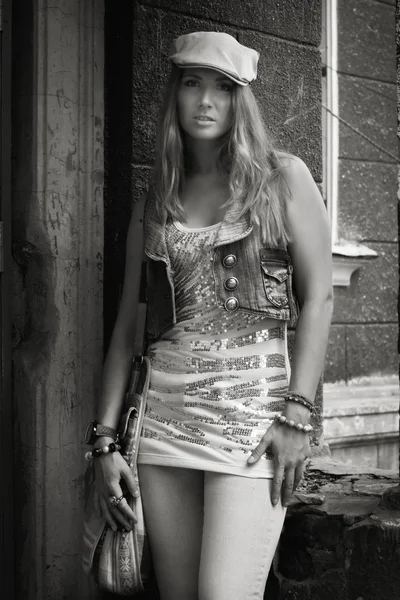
(95,430)
(300,399)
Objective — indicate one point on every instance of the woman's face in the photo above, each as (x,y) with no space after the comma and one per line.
(205,103)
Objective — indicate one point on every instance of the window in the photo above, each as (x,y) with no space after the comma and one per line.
(330,110)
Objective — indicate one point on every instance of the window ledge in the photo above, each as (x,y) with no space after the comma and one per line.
(347,257)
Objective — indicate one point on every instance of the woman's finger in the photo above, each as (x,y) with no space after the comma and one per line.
(122,512)
(125,509)
(131,483)
(298,475)
(260,449)
(122,521)
(288,485)
(279,470)
(107,514)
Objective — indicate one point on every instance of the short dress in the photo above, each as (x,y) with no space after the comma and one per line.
(218,377)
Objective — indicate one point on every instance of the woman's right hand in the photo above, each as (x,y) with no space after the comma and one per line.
(110,470)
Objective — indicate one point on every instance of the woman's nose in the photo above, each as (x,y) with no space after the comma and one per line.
(205,98)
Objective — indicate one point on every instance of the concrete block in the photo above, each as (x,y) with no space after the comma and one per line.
(370,107)
(366,39)
(289,90)
(335,362)
(353,450)
(388,456)
(367,201)
(371,350)
(292,20)
(372,294)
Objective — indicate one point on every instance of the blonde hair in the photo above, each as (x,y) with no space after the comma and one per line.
(246,155)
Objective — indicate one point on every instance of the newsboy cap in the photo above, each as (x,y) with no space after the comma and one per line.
(216,50)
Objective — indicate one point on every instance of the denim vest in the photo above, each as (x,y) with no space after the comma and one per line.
(248,275)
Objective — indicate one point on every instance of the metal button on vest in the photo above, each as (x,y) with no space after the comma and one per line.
(231,303)
(231,283)
(229,261)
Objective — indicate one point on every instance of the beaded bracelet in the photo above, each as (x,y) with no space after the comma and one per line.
(108,449)
(289,423)
(295,397)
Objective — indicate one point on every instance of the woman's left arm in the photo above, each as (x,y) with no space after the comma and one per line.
(311,252)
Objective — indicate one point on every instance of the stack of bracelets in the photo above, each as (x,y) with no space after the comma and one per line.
(300,399)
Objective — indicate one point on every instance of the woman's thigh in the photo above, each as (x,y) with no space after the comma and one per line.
(173,509)
(240,534)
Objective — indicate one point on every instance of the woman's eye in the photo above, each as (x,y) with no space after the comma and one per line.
(226,87)
(190,82)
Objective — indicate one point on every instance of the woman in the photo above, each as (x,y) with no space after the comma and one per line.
(230,225)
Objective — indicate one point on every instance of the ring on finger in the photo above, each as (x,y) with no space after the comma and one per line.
(114,501)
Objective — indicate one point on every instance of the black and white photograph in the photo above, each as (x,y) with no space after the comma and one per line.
(199,299)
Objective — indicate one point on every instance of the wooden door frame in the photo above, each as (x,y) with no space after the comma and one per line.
(7,562)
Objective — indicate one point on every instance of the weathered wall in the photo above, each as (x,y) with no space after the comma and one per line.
(363,336)
(57,293)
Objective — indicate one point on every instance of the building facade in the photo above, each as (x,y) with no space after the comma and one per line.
(360,187)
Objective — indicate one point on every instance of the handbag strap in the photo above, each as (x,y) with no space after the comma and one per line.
(141,309)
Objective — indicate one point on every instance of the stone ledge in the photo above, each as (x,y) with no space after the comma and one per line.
(341,536)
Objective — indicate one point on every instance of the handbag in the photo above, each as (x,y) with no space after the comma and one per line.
(119,562)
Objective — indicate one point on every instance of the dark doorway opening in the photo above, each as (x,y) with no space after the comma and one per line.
(118,36)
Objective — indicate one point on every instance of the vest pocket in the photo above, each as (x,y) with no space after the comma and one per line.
(276,278)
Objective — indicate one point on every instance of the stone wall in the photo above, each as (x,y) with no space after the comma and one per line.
(363,335)
(341,537)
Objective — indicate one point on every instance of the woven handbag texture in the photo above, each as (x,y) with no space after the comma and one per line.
(119,561)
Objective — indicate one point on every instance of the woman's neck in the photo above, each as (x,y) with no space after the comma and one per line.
(203,157)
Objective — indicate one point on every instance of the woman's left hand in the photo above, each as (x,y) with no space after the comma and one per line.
(290,448)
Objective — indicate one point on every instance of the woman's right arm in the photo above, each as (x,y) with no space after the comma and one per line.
(111,468)
(117,366)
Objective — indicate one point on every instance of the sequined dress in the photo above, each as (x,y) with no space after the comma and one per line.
(217,377)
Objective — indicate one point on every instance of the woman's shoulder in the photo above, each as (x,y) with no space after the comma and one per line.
(291,165)
(294,172)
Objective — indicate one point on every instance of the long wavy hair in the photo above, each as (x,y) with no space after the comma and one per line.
(246,155)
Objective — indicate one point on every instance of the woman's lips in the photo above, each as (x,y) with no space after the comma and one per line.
(204,118)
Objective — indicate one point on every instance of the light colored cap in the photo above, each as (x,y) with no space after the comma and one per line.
(215,50)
